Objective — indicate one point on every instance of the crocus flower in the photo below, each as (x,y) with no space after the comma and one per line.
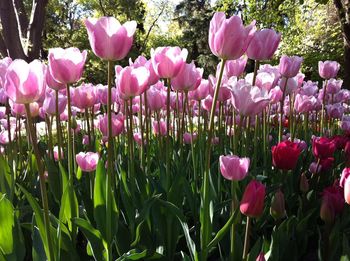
(290,66)
(168,61)
(87,161)
(228,38)
(328,69)
(109,39)
(188,79)
(252,203)
(248,100)
(285,155)
(323,147)
(66,65)
(132,82)
(234,168)
(263,45)
(25,82)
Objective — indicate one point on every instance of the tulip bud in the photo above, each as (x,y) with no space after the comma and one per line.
(277,209)
(252,203)
(304,183)
(327,213)
(260,257)
(74,123)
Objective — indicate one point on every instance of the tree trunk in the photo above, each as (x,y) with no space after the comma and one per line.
(22,39)
(343,10)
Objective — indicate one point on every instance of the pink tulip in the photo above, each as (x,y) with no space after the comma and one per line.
(66,65)
(344,176)
(142,61)
(84,96)
(201,92)
(4,64)
(49,104)
(228,38)
(261,257)
(309,88)
(87,161)
(249,100)
(328,69)
(264,44)
(52,83)
(303,103)
(188,138)
(117,124)
(290,66)
(156,99)
(233,67)
(159,128)
(102,94)
(109,39)
(275,95)
(25,83)
(291,87)
(234,168)
(252,203)
(188,79)
(132,82)
(335,111)
(55,153)
(333,86)
(225,89)
(168,61)
(138,138)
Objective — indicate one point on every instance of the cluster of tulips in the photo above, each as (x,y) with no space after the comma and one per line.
(163,164)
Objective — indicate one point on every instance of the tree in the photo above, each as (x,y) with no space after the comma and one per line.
(21,35)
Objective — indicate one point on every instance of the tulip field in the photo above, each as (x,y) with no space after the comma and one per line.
(160,162)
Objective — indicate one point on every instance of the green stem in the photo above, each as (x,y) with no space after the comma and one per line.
(168,151)
(323,118)
(43,192)
(205,227)
(246,239)
(281,112)
(233,231)
(58,129)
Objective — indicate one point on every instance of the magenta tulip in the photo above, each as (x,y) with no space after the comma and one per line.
(264,44)
(66,65)
(87,161)
(252,203)
(228,38)
(109,39)
(234,168)
(25,83)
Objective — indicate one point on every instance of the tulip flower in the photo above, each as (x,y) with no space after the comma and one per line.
(188,79)
(25,82)
(344,176)
(117,124)
(159,128)
(201,92)
(84,96)
(132,82)
(328,69)
(156,98)
(87,161)
(109,39)
(252,203)
(347,191)
(49,104)
(261,257)
(143,62)
(332,204)
(234,168)
(304,183)
(290,66)
(285,155)
(102,94)
(52,83)
(278,209)
(233,67)
(323,147)
(168,61)
(4,64)
(228,38)
(333,86)
(66,65)
(263,45)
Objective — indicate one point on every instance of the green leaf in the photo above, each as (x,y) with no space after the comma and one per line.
(5,177)
(133,255)
(69,206)
(38,251)
(79,173)
(97,243)
(54,179)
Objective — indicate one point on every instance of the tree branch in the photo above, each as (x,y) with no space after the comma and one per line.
(22,17)
(3,49)
(102,8)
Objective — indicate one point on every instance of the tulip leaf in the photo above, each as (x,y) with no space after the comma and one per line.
(54,180)
(5,177)
(69,206)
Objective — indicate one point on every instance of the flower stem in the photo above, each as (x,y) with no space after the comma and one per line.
(246,239)
(323,118)
(43,192)
(281,112)
(168,152)
(58,129)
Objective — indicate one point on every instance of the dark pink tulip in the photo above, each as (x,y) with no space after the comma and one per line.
(328,69)
(4,64)
(332,203)
(168,61)
(249,100)
(49,104)
(188,79)
(84,96)
(264,44)
(132,82)
(201,92)
(52,83)
(228,38)
(323,147)
(109,39)
(234,168)
(261,257)
(252,203)
(290,66)
(156,98)
(66,65)
(87,161)
(25,83)
(117,124)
